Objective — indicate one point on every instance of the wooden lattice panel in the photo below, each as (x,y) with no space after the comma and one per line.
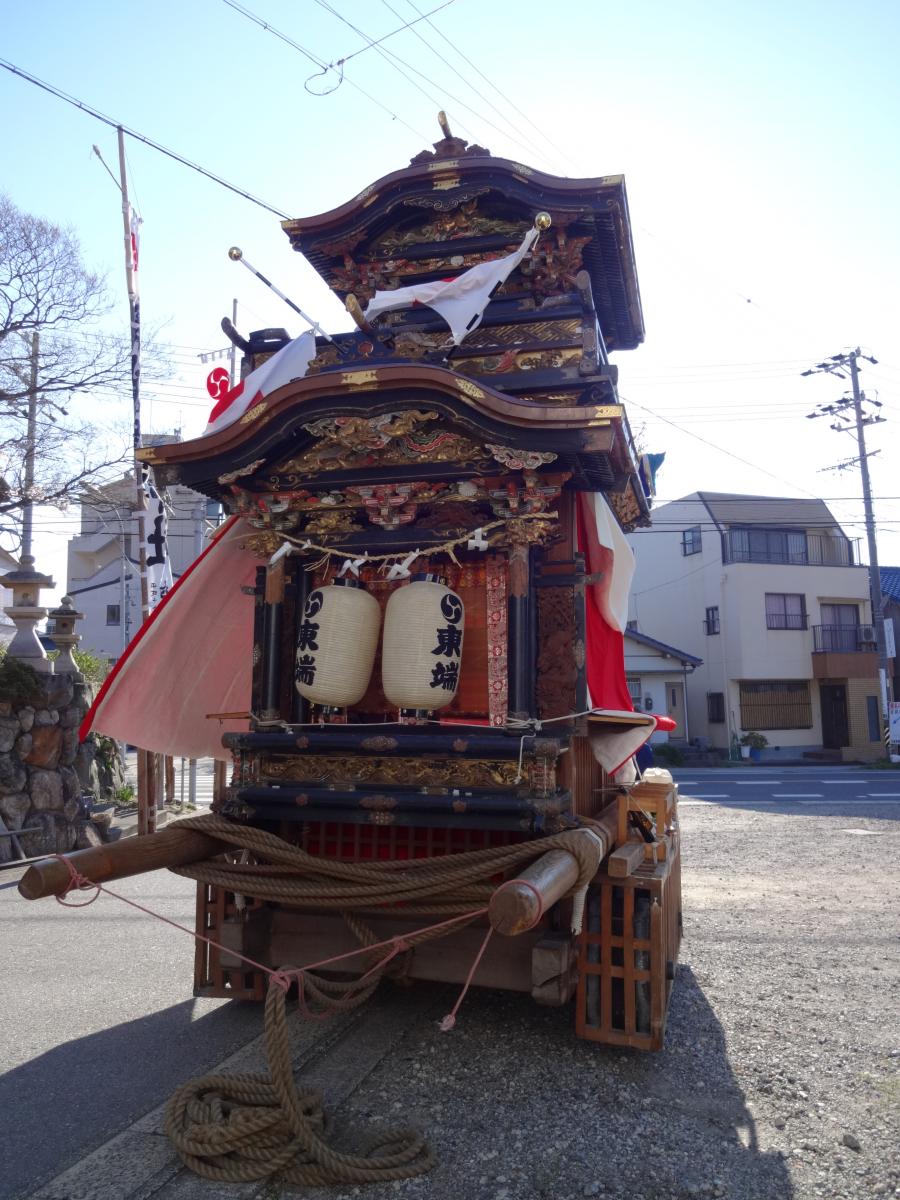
(627,953)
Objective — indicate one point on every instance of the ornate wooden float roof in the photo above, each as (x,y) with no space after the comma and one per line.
(479,426)
(458,205)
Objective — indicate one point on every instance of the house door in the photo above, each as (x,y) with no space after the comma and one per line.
(835,728)
(675,709)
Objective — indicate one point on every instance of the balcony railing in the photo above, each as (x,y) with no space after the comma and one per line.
(843,639)
(794,549)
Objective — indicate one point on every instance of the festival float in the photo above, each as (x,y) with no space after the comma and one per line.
(406,641)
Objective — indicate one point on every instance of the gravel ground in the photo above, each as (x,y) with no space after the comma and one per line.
(779,1076)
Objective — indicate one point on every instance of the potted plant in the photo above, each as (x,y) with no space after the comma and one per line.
(753,744)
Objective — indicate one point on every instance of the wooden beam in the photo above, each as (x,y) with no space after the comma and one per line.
(626,859)
(171,847)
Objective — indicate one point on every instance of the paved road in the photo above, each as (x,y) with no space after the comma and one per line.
(98,1021)
(824,789)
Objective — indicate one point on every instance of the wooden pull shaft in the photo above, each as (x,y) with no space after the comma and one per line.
(171,847)
(521,902)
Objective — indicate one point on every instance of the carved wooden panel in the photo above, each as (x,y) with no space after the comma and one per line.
(557,672)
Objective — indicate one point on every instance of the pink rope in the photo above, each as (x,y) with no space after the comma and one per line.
(450,1020)
(283,976)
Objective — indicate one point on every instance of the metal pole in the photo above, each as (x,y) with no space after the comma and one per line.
(877,599)
(232,358)
(30,446)
(146,796)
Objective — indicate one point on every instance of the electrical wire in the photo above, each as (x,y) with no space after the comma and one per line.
(139,137)
(491,83)
(319,62)
(528,142)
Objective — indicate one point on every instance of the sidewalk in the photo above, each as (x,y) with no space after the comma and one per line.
(125,821)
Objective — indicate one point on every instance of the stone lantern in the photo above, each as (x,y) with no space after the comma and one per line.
(25,610)
(64,635)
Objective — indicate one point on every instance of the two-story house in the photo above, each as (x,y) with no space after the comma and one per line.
(770,594)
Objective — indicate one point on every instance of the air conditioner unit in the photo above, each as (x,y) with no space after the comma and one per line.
(864,634)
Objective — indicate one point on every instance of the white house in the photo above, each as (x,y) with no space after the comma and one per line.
(102,574)
(657,675)
(770,594)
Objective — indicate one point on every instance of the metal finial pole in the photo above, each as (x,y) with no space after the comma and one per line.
(236,254)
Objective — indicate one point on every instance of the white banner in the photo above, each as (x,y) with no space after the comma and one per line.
(156,544)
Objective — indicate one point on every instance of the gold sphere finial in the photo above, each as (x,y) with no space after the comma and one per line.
(235,254)
(543,221)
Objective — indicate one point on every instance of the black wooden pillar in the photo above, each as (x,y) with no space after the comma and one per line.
(520,634)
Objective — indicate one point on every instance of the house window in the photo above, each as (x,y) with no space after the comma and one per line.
(775,704)
(712,620)
(785,610)
(113,614)
(872,714)
(715,708)
(768,546)
(691,540)
(635,691)
(839,628)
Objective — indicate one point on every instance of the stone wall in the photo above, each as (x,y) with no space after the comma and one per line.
(45,771)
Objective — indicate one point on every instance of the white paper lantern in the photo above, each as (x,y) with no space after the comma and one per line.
(336,643)
(423,642)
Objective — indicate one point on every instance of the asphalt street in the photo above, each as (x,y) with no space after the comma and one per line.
(98,1020)
(823,789)
(99,1027)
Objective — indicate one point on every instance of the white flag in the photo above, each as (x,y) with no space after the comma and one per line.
(156,543)
(291,362)
(461,301)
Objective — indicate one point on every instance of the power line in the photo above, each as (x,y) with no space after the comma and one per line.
(114,124)
(721,449)
(491,83)
(388,56)
(319,62)
(463,79)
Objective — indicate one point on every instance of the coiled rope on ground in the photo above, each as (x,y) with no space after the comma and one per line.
(239,1128)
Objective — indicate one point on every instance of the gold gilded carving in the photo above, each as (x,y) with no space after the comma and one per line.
(533,331)
(443,164)
(607,412)
(547,358)
(332,520)
(379,744)
(231,476)
(535,532)
(444,185)
(469,389)
(430,773)
(462,221)
(378,803)
(263,545)
(359,378)
(254,412)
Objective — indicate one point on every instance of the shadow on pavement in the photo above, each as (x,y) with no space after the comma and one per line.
(60,1106)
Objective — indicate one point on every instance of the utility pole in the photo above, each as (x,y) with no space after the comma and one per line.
(147,763)
(842,365)
(30,447)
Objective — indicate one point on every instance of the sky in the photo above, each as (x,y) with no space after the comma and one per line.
(758,144)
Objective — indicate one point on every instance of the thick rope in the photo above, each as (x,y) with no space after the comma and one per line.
(239,1128)
(450,883)
(243,1128)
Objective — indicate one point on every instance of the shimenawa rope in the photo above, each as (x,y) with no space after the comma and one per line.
(240,1128)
